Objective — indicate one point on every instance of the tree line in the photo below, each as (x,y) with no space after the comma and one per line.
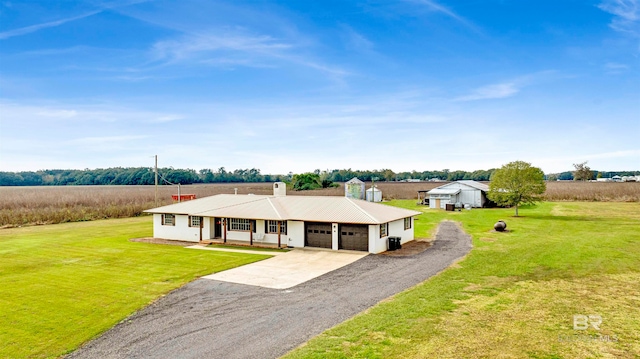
(146,176)
(132,176)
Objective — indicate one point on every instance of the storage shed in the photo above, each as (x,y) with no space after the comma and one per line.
(374,195)
(462,192)
(354,188)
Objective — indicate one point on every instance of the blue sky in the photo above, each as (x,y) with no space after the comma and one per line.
(302,85)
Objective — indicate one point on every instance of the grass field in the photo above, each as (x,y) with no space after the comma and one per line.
(515,295)
(64,284)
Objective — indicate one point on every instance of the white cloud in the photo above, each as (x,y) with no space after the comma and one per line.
(434,6)
(626,15)
(614,68)
(58,113)
(494,91)
(191,46)
(356,41)
(102,140)
(34,28)
(237,48)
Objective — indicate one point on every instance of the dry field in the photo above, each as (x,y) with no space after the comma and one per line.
(47,204)
(593,191)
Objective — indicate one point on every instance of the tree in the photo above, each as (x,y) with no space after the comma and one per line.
(582,172)
(306,181)
(517,183)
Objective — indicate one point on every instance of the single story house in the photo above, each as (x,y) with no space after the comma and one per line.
(463,192)
(293,221)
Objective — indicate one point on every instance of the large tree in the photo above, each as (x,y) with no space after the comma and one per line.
(517,183)
(582,172)
(306,181)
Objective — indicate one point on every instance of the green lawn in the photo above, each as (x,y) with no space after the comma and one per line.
(61,285)
(515,294)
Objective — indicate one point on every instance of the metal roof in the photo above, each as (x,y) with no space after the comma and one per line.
(476,185)
(303,208)
(473,184)
(354,180)
(444,191)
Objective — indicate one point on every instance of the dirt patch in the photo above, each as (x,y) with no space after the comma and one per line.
(410,248)
(163,241)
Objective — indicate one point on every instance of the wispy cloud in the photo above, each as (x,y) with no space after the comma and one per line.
(355,41)
(236,48)
(493,91)
(507,88)
(34,28)
(190,46)
(58,113)
(101,140)
(434,6)
(615,68)
(626,15)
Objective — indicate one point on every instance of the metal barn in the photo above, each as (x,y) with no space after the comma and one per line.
(462,192)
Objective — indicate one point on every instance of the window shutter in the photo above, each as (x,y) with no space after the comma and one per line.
(253,224)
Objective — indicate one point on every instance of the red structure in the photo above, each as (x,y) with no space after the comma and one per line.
(183,197)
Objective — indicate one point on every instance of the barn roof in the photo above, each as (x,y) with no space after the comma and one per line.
(472,184)
(444,191)
(303,208)
(354,180)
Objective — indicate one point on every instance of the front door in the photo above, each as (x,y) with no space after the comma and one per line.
(217,232)
(437,203)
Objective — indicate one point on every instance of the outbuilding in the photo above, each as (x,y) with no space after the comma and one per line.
(291,221)
(470,193)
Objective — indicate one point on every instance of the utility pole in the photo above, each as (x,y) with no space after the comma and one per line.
(156,171)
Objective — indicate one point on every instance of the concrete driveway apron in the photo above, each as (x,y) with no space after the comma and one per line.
(288,269)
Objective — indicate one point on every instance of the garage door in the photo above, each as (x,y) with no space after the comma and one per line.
(318,235)
(354,237)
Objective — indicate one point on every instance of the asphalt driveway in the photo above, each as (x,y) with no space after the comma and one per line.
(213,319)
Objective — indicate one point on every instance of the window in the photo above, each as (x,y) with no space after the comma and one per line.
(407,223)
(272,227)
(239,224)
(168,220)
(194,221)
(384,230)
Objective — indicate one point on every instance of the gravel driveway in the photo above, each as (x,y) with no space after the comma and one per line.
(213,319)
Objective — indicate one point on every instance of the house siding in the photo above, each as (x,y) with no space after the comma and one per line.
(180,231)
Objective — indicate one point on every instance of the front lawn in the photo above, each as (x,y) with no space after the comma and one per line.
(61,285)
(515,295)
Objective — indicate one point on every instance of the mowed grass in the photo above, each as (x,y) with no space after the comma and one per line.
(515,294)
(61,285)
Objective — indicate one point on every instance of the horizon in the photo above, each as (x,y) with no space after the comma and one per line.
(197,170)
(296,86)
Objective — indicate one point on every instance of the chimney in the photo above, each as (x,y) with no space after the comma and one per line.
(279,189)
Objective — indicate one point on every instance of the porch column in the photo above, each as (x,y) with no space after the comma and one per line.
(224,233)
(279,224)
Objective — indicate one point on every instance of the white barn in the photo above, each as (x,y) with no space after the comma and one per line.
(293,221)
(464,192)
